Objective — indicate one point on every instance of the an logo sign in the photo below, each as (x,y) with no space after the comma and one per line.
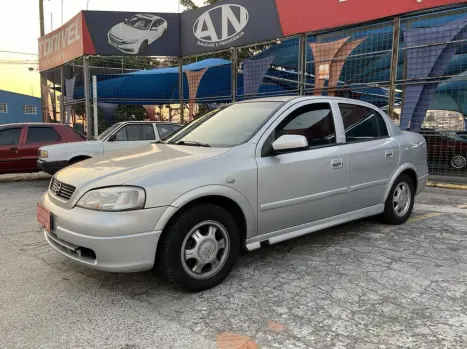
(221,25)
(57,188)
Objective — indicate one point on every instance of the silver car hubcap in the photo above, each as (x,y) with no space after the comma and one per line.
(458,162)
(402,199)
(205,249)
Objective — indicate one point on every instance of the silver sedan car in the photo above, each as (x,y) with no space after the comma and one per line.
(243,176)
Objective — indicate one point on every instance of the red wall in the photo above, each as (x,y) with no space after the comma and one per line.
(300,16)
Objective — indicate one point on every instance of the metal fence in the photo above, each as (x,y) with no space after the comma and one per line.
(414,67)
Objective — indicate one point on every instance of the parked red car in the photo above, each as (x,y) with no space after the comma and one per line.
(19,144)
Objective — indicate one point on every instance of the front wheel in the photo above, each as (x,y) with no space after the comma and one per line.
(144,47)
(458,162)
(400,201)
(199,249)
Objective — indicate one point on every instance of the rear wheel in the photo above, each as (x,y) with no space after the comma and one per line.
(400,201)
(199,249)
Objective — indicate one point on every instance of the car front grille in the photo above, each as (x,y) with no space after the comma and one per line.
(115,39)
(61,190)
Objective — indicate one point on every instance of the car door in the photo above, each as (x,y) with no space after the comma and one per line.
(303,186)
(373,154)
(36,137)
(130,136)
(10,145)
(155,31)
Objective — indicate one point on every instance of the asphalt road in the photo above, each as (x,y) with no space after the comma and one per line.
(361,285)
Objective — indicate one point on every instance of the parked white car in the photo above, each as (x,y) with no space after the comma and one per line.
(120,136)
(134,35)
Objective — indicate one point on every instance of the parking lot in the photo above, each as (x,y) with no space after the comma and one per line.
(361,285)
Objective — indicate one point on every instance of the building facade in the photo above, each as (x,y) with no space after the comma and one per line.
(16,107)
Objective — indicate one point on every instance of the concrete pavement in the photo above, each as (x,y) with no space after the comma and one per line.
(360,285)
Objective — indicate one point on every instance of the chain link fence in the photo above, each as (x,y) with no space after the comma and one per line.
(413,67)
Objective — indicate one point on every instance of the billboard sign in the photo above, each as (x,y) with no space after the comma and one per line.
(61,45)
(134,33)
(229,23)
(301,16)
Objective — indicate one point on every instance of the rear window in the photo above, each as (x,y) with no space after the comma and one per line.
(42,135)
(77,133)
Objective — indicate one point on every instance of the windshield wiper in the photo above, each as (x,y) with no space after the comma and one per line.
(193,144)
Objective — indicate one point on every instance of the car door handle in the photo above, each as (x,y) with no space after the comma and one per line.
(337,163)
(14,148)
(389,153)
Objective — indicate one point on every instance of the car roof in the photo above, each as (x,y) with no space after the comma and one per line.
(150,122)
(285,99)
(147,15)
(32,123)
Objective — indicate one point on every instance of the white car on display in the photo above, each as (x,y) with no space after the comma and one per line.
(134,35)
(120,136)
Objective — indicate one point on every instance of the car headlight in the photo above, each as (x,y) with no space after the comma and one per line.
(43,154)
(113,199)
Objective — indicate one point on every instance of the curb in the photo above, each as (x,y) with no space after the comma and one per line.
(432,184)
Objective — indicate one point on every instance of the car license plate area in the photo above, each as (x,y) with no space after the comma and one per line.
(44,217)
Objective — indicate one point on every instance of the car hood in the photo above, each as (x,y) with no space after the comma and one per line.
(125,166)
(125,32)
(72,146)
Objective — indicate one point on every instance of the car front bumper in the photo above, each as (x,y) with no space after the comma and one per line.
(51,167)
(130,48)
(107,241)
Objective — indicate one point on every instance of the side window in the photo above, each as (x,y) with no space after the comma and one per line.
(362,123)
(314,121)
(155,24)
(10,136)
(166,130)
(42,135)
(121,135)
(136,133)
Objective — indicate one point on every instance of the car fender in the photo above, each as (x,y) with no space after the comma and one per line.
(212,190)
(402,168)
(80,154)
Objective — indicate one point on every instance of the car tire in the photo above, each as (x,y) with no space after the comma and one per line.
(400,201)
(144,47)
(199,248)
(458,162)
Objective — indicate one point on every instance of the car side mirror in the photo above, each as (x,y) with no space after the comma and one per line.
(112,138)
(126,20)
(290,142)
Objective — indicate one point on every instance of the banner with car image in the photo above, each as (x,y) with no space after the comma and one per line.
(134,33)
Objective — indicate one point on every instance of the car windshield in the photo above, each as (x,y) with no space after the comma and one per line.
(107,132)
(227,126)
(139,23)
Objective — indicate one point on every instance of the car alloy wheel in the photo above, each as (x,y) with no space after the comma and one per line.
(205,249)
(458,162)
(402,199)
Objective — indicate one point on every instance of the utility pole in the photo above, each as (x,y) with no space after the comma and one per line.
(41,17)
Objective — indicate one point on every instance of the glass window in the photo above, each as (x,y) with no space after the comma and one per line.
(10,136)
(140,133)
(107,132)
(166,130)
(3,108)
(136,133)
(227,126)
(362,123)
(314,121)
(42,135)
(121,135)
(29,109)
